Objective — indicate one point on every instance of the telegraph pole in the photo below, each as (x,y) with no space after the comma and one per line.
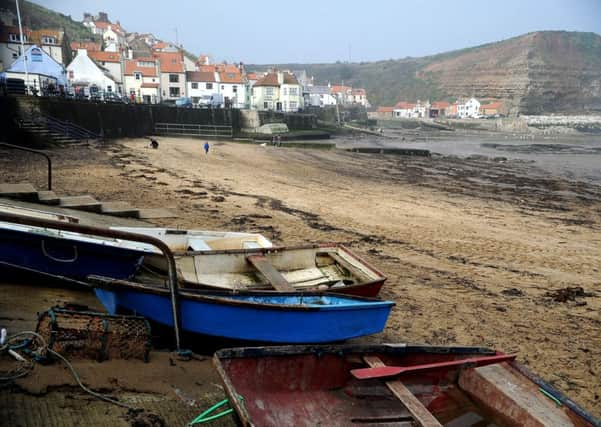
(22,36)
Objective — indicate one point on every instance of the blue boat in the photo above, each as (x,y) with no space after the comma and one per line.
(67,255)
(277,317)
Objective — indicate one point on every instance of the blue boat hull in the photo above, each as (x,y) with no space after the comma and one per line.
(66,258)
(256,321)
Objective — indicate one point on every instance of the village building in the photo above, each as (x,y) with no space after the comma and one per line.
(85,73)
(172,75)
(468,109)
(113,62)
(438,109)
(359,96)
(142,82)
(277,90)
(44,73)
(382,113)
(49,40)
(493,108)
(318,96)
(232,88)
(201,86)
(343,94)
(404,110)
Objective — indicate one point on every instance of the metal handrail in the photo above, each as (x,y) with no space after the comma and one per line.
(68,128)
(41,153)
(116,234)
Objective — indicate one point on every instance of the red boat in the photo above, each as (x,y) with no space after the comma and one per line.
(389,385)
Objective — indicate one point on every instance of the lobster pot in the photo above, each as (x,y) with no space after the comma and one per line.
(80,334)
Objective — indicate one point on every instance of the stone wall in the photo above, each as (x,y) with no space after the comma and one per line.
(113,120)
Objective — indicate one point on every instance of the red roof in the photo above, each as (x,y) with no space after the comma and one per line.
(340,89)
(104,25)
(200,76)
(385,109)
(89,46)
(440,105)
(404,105)
(252,76)
(102,56)
(170,62)
(492,106)
(226,77)
(271,79)
(132,66)
(151,85)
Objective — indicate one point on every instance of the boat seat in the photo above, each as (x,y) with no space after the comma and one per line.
(273,276)
(418,411)
(512,396)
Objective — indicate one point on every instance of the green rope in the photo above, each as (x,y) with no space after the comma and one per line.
(205,417)
(550,396)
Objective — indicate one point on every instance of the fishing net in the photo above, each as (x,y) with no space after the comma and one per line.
(77,333)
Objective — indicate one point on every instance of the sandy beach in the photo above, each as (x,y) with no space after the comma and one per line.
(475,251)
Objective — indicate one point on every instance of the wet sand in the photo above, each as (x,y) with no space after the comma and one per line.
(474,250)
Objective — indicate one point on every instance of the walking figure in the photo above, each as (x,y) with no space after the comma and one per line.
(206,146)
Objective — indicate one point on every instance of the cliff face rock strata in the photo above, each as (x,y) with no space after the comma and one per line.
(541,72)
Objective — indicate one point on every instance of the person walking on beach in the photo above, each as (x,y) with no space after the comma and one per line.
(206,146)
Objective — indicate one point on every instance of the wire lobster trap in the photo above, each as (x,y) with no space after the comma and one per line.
(77,333)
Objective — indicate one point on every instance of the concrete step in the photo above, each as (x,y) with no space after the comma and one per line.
(23,191)
(48,197)
(154,213)
(123,209)
(84,203)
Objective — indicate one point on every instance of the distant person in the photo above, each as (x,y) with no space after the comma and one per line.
(154,143)
(274,140)
(279,140)
(206,147)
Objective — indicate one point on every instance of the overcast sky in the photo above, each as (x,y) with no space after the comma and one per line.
(330,30)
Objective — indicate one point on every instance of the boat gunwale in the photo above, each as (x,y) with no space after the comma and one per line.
(386,348)
(221,297)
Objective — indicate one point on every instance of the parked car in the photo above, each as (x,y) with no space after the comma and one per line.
(184,102)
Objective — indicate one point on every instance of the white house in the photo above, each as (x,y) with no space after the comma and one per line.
(277,90)
(84,72)
(201,84)
(470,108)
(233,88)
(318,96)
(141,78)
(112,61)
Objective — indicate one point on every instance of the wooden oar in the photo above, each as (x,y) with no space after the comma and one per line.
(391,371)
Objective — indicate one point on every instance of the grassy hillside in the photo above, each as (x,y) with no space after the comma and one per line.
(36,17)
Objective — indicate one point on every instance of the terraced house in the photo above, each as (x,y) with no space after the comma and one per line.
(172,75)
(142,83)
(277,90)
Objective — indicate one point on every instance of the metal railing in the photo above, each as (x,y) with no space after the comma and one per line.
(41,153)
(65,128)
(214,131)
(116,234)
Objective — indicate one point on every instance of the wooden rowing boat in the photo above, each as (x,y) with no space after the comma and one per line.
(389,385)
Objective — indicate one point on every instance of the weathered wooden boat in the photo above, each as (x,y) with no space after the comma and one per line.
(277,317)
(322,267)
(67,255)
(181,241)
(385,385)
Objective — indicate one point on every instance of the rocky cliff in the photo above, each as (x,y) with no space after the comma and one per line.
(541,72)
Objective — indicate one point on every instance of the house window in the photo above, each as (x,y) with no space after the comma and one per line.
(285,91)
(48,40)
(109,88)
(173,78)
(293,91)
(209,85)
(266,105)
(138,76)
(13,37)
(222,87)
(173,92)
(293,105)
(15,55)
(194,85)
(268,91)
(235,89)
